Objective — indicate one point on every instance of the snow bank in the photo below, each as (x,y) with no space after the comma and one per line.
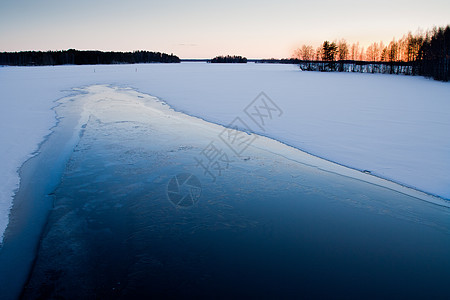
(396,127)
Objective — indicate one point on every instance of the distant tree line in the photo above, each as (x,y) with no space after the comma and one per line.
(426,54)
(277,61)
(229,59)
(77,57)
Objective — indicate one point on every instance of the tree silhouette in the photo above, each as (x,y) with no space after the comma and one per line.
(229,59)
(413,54)
(329,51)
(75,57)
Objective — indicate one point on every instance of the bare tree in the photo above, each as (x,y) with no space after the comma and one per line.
(385,54)
(318,53)
(343,49)
(413,43)
(354,51)
(297,53)
(373,52)
(393,51)
(361,54)
(307,52)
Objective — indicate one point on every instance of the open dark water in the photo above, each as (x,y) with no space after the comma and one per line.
(267,228)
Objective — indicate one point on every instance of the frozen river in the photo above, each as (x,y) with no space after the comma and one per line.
(395,127)
(137,214)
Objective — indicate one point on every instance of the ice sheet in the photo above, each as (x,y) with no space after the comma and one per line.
(396,127)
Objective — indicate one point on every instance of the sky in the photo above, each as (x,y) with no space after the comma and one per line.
(207,28)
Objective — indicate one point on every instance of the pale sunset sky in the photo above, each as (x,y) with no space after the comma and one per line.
(204,29)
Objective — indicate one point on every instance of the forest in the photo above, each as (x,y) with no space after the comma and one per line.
(229,59)
(77,57)
(424,53)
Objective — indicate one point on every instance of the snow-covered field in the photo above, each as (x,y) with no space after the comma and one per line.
(396,127)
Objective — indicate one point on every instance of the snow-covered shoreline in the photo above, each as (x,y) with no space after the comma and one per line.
(396,127)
